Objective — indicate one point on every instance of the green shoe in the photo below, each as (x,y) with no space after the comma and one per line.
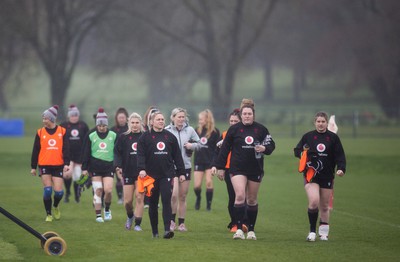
(49,218)
(57,213)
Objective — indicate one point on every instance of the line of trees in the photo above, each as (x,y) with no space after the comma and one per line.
(176,43)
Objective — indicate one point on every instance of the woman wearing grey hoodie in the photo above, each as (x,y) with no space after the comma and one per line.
(188,141)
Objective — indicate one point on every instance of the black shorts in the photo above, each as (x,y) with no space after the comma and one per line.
(188,171)
(56,171)
(129,180)
(254,178)
(322,182)
(201,168)
(103,174)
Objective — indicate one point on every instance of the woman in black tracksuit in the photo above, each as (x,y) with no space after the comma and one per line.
(325,153)
(76,131)
(158,155)
(121,126)
(248,141)
(125,162)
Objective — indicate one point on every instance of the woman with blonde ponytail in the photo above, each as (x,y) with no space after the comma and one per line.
(209,137)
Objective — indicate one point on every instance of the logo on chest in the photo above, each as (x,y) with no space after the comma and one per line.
(102,145)
(249,140)
(160,146)
(203,140)
(321,147)
(52,142)
(74,133)
(134,146)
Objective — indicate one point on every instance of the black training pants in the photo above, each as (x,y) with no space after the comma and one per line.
(163,187)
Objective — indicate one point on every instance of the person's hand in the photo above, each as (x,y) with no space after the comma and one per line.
(182,178)
(142,173)
(66,169)
(188,145)
(84,172)
(214,171)
(259,148)
(33,172)
(118,171)
(340,173)
(221,174)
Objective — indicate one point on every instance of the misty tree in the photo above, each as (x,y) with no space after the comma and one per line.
(375,40)
(126,42)
(359,39)
(55,31)
(8,60)
(222,35)
(294,39)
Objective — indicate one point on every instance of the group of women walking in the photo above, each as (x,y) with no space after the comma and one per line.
(151,159)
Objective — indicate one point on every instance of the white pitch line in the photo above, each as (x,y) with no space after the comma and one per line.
(368,218)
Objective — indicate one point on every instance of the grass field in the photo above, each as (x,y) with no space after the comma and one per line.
(365,223)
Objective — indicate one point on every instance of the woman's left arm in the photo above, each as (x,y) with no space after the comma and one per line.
(340,156)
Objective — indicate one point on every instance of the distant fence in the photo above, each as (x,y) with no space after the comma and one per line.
(282,121)
(293,123)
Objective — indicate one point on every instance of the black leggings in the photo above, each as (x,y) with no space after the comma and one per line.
(231,196)
(163,187)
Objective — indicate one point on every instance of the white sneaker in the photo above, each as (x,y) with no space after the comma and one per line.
(137,228)
(239,234)
(172,226)
(311,237)
(323,232)
(251,235)
(323,238)
(99,219)
(182,228)
(107,215)
(128,223)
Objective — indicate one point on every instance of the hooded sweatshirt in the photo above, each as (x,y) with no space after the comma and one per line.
(184,135)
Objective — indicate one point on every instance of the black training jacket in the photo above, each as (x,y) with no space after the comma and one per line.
(328,149)
(125,154)
(159,153)
(205,155)
(75,133)
(240,140)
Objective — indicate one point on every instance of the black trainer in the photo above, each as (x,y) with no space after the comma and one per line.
(168,234)
(66,198)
